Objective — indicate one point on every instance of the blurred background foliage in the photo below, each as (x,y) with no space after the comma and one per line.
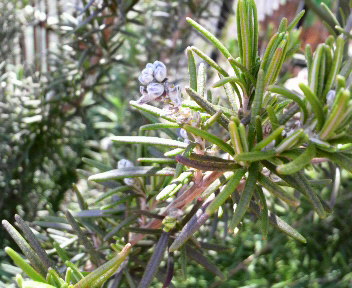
(68,71)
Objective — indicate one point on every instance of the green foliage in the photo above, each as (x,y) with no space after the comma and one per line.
(239,156)
(53,118)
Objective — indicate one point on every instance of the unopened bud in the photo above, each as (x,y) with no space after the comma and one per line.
(155,90)
(123,163)
(145,79)
(159,71)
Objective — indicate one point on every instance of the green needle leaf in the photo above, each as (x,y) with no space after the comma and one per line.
(83,238)
(336,64)
(254,156)
(33,241)
(280,224)
(246,196)
(223,121)
(229,188)
(154,261)
(149,140)
(299,182)
(174,186)
(291,95)
(316,67)
(26,268)
(311,195)
(201,79)
(210,37)
(295,20)
(131,172)
(192,69)
(157,160)
(105,271)
(275,134)
(158,126)
(335,117)
(264,216)
(290,141)
(210,138)
(258,96)
(203,261)
(277,191)
(275,65)
(298,163)
(210,61)
(207,165)
(233,80)
(235,137)
(315,103)
(25,248)
(216,184)
(152,110)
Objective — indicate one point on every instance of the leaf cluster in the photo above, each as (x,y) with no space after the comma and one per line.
(237,156)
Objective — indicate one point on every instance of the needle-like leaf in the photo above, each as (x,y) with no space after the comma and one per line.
(210,137)
(26,268)
(130,172)
(154,261)
(192,69)
(105,271)
(25,248)
(83,238)
(246,196)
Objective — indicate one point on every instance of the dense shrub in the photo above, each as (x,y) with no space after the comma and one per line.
(205,165)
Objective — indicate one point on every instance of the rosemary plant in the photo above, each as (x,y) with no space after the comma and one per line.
(269,135)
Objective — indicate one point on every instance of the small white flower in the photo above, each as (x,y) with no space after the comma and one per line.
(155,90)
(159,71)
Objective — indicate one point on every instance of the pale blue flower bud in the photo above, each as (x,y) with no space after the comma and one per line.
(150,66)
(159,71)
(155,90)
(148,71)
(123,163)
(145,79)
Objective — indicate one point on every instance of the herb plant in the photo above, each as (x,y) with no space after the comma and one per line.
(203,158)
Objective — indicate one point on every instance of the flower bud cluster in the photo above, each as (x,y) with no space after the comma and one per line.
(157,88)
